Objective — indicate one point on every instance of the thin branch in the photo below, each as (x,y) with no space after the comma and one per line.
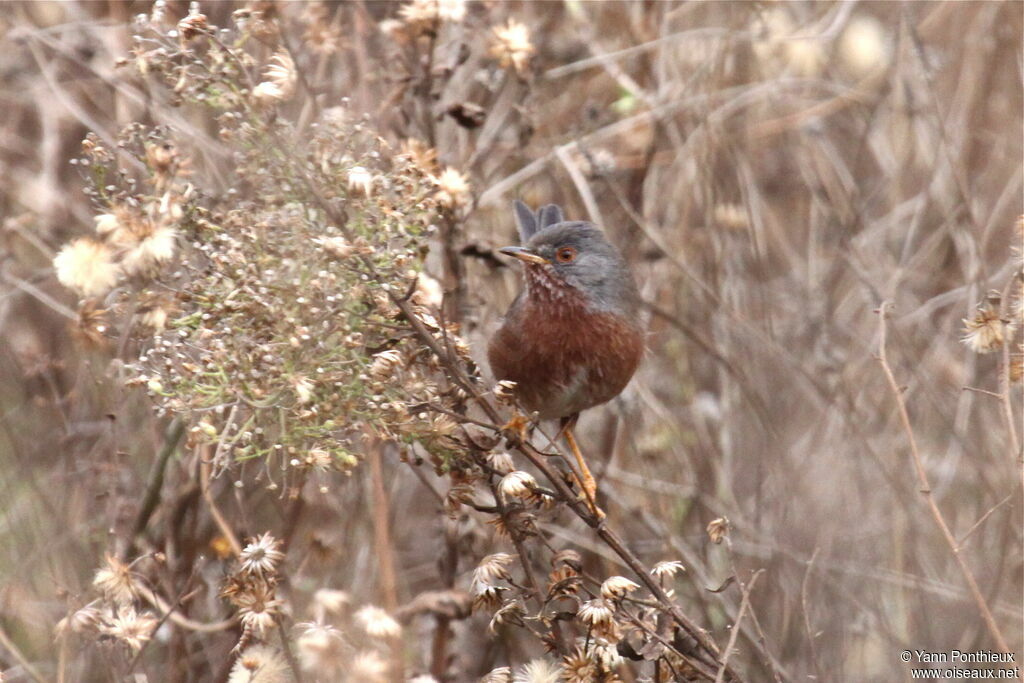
(720,677)
(926,489)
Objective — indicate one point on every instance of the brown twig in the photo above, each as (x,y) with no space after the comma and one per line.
(926,489)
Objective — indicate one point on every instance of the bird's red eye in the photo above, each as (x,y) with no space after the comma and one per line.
(565,254)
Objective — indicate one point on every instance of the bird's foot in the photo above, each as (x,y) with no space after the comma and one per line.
(589,496)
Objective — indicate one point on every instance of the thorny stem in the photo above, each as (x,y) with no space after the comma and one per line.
(926,489)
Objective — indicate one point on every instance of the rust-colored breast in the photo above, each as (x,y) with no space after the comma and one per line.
(565,358)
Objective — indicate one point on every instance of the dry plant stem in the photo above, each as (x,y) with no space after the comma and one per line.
(1004,378)
(381,530)
(156,481)
(720,677)
(218,517)
(807,613)
(182,621)
(922,478)
(7,643)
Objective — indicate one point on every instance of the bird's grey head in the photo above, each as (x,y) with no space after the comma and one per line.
(572,254)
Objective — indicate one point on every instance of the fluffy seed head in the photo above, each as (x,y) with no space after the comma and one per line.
(511,45)
(260,664)
(87,266)
(377,623)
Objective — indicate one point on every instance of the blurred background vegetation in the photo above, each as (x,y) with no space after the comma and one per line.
(774,171)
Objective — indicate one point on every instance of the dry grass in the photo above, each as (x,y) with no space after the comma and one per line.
(814,197)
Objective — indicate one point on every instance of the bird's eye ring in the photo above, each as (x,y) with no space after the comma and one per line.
(565,255)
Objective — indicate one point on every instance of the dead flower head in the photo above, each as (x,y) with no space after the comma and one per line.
(517,484)
(377,623)
(987,331)
(718,529)
(667,569)
(492,568)
(617,587)
(280,78)
(260,664)
(258,609)
(452,188)
(116,581)
(261,556)
(321,647)
(511,45)
(87,266)
(130,627)
(539,671)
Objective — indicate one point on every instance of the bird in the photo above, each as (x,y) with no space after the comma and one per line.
(572,338)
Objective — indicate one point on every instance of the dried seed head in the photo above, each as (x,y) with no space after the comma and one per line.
(452,188)
(429,292)
(502,674)
(517,484)
(148,248)
(106,223)
(385,363)
(130,627)
(320,646)
(331,600)
(87,266)
(360,181)
(280,78)
(667,569)
(539,671)
(492,568)
(261,556)
(617,587)
(502,463)
(192,25)
(303,387)
(511,45)
(510,613)
(260,664)
(987,331)
(718,529)
(258,609)
(84,620)
(368,666)
(116,581)
(505,392)
(596,613)
(377,623)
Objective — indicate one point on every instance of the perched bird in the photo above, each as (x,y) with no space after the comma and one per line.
(571,340)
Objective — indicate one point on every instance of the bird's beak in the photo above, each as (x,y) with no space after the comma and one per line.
(524,254)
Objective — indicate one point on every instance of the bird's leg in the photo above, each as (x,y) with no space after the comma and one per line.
(588,484)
